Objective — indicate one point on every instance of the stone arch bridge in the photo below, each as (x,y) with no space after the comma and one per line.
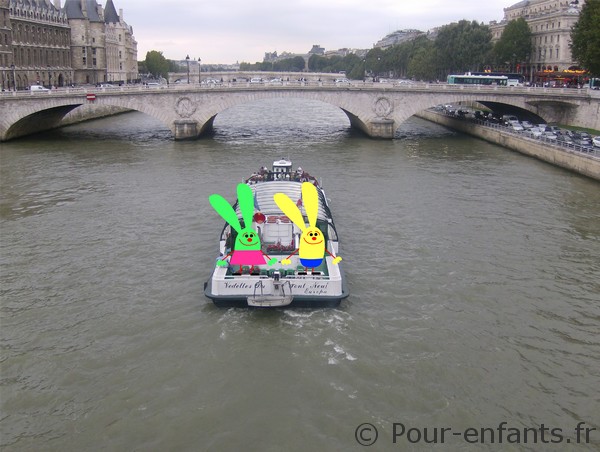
(376,109)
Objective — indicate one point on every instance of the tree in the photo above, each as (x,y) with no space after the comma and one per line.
(463,46)
(515,44)
(423,62)
(585,37)
(157,64)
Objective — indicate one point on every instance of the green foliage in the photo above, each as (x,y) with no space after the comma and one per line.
(156,64)
(295,64)
(515,44)
(463,46)
(459,47)
(422,64)
(585,37)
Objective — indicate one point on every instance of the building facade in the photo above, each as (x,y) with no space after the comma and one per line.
(80,43)
(35,45)
(550,22)
(121,47)
(102,44)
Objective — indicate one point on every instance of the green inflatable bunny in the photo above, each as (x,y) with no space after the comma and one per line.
(247,248)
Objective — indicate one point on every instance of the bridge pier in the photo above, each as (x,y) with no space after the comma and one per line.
(185,129)
(382,128)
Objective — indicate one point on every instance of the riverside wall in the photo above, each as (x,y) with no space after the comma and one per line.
(556,155)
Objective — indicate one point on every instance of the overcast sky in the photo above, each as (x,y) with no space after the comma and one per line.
(243,30)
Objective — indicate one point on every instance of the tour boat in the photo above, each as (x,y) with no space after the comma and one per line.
(286,266)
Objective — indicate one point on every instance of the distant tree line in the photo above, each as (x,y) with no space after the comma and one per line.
(457,48)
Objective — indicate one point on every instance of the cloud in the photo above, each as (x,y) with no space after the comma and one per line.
(244,30)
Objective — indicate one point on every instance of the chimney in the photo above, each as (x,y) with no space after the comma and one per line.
(84,8)
(121,14)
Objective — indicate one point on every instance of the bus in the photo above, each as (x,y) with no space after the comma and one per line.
(594,83)
(514,79)
(470,79)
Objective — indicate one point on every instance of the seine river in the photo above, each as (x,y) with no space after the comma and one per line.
(473,319)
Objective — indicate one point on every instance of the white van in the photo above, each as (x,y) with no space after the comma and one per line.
(38,89)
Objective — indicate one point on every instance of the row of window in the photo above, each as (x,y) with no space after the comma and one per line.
(548,54)
(549,26)
(41,35)
(55,16)
(24,57)
(538,39)
(548,7)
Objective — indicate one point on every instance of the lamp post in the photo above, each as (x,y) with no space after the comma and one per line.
(187,59)
(49,78)
(199,71)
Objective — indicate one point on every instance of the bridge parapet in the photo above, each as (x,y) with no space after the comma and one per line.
(377,109)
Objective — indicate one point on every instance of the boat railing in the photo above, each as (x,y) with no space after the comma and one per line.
(289,273)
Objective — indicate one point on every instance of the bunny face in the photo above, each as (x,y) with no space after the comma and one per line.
(312,244)
(312,237)
(247,239)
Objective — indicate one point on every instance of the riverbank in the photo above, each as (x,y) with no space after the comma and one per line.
(556,155)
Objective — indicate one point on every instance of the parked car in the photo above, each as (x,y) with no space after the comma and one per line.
(256,80)
(507,119)
(564,139)
(515,126)
(596,141)
(38,89)
(581,138)
(342,81)
(535,132)
(550,136)
(526,124)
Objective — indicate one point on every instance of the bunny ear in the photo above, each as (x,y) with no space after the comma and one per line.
(224,209)
(288,207)
(311,202)
(246,203)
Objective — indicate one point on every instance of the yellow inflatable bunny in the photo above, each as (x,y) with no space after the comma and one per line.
(312,241)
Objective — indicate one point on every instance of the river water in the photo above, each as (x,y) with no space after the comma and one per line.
(474,312)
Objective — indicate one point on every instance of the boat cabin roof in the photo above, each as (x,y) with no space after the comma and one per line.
(264,202)
(282,166)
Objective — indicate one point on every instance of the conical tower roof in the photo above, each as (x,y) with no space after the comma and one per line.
(110,13)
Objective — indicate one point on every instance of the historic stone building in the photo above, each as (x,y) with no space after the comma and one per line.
(550,22)
(35,45)
(81,43)
(121,47)
(102,44)
(6,55)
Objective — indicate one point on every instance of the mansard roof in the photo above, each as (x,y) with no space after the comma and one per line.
(42,4)
(74,10)
(110,13)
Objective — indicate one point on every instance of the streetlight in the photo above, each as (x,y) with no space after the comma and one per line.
(187,59)
(12,66)
(199,70)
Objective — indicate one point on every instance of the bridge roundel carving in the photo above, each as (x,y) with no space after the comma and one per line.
(383,107)
(185,107)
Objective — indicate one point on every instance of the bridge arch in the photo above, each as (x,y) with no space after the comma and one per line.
(190,111)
